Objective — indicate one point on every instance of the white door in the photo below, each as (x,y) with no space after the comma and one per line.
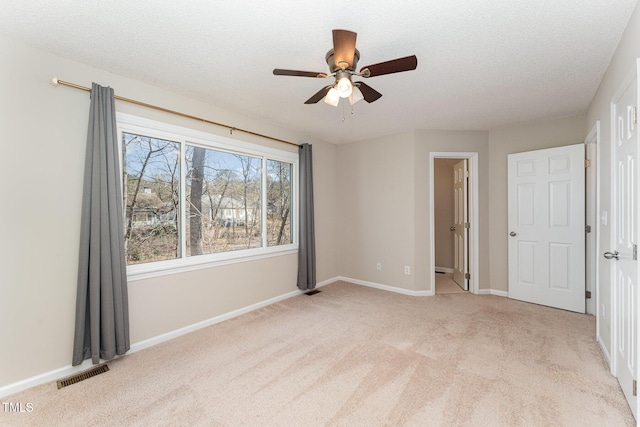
(546,227)
(461,219)
(624,190)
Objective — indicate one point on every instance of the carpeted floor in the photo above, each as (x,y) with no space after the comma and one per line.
(355,356)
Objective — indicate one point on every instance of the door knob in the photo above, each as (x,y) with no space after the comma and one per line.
(513,234)
(611,255)
(452,228)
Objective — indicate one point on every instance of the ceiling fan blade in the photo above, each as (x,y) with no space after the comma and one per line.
(318,95)
(298,73)
(369,93)
(344,48)
(407,63)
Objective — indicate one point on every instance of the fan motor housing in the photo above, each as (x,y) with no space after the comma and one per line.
(334,67)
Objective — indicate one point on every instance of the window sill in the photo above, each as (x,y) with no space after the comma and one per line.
(164,268)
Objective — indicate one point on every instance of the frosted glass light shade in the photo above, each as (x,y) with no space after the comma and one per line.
(356,95)
(344,87)
(332,97)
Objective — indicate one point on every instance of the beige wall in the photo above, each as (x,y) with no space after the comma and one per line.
(503,142)
(43,144)
(377,177)
(376,210)
(384,198)
(444,211)
(622,63)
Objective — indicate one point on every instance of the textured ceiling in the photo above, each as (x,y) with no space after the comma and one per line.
(481,64)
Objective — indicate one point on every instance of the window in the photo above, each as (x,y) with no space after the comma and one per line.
(278,203)
(193,199)
(222,201)
(151,190)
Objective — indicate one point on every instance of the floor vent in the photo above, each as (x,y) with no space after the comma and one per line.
(97,370)
(312,292)
(440,272)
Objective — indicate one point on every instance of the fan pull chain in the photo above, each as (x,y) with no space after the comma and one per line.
(343,118)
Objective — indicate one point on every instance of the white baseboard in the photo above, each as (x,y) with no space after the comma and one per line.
(493,292)
(221,318)
(191,328)
(326,282)
(387,287)
(444,270)
(410,292)
(46,377)
(65,371)
(606,354)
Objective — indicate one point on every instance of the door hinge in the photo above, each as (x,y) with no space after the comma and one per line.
(587,163)
(634,115)
(587,229)
(635,388)
(635,252)
(588,294)
(467,225)
(466,174)
(467,276)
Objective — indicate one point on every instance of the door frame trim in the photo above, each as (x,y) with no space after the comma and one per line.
(593,248)
(474,232)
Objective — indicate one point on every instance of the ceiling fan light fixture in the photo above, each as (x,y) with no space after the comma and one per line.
(344,87)
(355,96)
(342,60)
(332,97)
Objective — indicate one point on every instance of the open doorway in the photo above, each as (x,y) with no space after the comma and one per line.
(454,222)
(447,224)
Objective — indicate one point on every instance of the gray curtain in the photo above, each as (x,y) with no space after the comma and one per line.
(102,312)
(307,238)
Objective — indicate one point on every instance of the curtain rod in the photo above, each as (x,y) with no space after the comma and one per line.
(55,82)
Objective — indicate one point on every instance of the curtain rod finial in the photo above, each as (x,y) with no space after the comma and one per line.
(53,81)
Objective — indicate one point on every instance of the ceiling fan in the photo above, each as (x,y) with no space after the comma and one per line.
(342,61)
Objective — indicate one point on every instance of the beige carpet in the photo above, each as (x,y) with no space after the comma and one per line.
(355,356)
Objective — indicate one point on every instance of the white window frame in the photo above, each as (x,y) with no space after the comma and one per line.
(127,123)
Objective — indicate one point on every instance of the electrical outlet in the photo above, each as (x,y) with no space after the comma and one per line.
(379,266)
(407,269)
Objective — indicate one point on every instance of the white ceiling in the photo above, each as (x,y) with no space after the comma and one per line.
(481,63)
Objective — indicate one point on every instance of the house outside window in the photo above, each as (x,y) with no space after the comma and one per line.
(193,199)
